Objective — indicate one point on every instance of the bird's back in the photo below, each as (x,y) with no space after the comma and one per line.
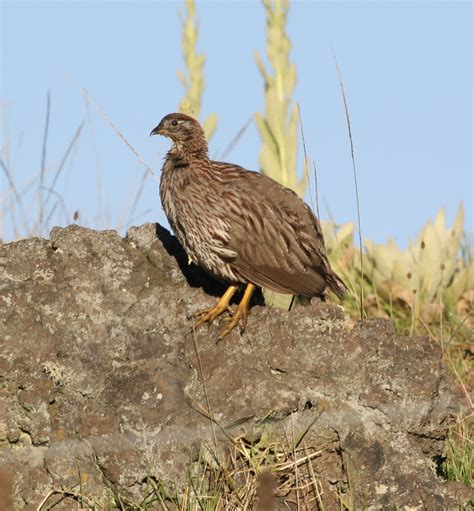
(278,240)
(243,226)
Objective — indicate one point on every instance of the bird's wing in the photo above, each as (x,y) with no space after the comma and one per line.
(277,239)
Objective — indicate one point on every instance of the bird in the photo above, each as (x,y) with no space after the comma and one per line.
(240,226)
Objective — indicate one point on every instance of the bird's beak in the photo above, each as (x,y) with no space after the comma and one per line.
(157,131)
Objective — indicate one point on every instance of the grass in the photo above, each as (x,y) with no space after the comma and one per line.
(459,452)
(261,472)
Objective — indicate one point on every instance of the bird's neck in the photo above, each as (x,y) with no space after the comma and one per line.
(188,151)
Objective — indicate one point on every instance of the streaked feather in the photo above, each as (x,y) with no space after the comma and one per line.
(239,225)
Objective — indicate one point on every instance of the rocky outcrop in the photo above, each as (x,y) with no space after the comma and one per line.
(100,378)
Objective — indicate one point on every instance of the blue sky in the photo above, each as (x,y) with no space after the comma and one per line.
(407,70)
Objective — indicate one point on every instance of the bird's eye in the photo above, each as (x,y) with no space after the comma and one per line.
(174,123)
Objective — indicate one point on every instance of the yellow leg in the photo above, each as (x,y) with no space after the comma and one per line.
(209,315)
(242,312)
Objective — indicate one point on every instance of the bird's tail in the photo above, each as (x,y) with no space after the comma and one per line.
(336,284)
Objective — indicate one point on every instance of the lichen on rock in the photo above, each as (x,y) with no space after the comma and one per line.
(99,376)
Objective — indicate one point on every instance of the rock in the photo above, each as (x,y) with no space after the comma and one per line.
(100,378)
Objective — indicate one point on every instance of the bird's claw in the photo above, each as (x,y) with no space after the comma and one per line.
(241,314)
(209,315)
(212,312)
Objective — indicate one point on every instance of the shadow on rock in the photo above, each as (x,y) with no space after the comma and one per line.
(194,275)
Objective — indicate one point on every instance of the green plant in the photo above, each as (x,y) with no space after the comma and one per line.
(193,79)
(459,452)
(279,124)
(427,278)
(339,242)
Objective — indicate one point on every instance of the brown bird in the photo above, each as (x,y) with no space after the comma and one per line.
(240,226)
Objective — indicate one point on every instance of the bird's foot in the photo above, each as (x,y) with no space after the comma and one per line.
(242,313)
(223,305)
(210,314)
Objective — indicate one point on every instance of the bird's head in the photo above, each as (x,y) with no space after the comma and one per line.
(185,132)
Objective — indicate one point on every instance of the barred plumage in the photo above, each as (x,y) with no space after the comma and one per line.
(239,225)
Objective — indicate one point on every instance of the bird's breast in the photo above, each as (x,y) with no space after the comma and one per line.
(193,214)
